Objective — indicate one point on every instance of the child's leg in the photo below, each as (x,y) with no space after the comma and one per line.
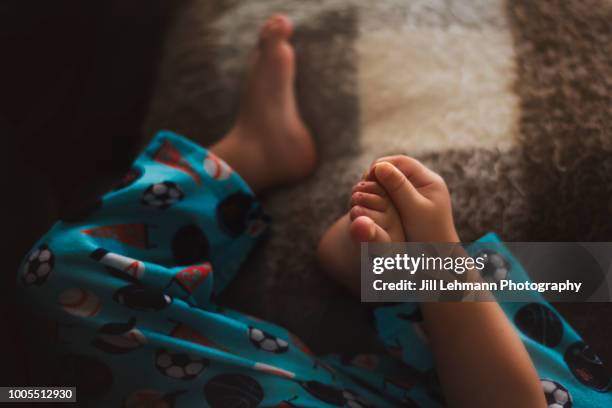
(372,218)
(269,144)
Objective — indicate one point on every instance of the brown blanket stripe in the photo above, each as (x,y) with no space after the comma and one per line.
(564,52)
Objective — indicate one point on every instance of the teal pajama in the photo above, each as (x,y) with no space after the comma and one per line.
(123,297)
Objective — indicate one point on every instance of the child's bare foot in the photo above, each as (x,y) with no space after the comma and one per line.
(270,144)
(373,215)
(372,218)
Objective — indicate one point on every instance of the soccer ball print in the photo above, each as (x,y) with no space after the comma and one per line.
(38,266)
(162,195)
(557,396)
(178,365)
(267,342)
(496,267)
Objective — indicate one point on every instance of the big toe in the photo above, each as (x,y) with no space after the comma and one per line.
(364,229)
(277,27)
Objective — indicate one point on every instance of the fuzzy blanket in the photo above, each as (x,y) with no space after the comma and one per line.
(510,102)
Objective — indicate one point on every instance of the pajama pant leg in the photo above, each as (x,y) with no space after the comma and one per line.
(122,292)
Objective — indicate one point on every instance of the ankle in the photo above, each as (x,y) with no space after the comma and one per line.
(244,157)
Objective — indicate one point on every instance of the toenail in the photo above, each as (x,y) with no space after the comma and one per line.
(383,170)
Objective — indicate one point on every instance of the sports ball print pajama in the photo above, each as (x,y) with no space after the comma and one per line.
(122,295)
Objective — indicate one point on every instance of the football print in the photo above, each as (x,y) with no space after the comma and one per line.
(557,396)
(162,195)
(38,266)
(266,342)
(181,366)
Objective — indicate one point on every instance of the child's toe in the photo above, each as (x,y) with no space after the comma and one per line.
(370,187)
(378,217)
(369,200)
(364,229)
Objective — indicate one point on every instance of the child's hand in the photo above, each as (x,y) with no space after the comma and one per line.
(420,196)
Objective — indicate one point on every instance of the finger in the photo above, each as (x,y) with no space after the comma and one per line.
(370,187)
(371,201)
(364,229)
(377,216)
(399,189)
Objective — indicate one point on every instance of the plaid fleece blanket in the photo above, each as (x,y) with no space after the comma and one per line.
(509,101)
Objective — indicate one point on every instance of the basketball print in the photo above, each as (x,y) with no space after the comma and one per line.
(233,391)
(190,246)
(323,392)
(233,213)
(587,367)
(540,323)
